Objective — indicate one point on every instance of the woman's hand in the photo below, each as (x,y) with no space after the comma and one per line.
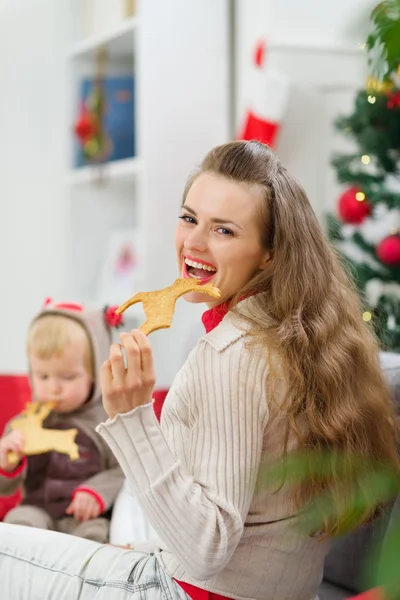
(125,388)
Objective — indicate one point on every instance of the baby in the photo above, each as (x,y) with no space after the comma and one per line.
(66,345)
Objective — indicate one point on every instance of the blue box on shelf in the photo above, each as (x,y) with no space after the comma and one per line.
(119,121)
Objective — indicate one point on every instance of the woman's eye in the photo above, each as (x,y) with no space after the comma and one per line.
(188,219)
(224,231)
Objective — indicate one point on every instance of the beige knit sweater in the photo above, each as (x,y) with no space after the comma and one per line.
(196,476)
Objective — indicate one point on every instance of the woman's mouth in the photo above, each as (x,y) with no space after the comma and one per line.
(198,270)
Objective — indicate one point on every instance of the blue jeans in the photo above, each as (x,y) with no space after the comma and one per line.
(45,565)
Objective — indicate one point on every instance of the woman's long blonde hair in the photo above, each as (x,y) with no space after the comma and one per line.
(309,314)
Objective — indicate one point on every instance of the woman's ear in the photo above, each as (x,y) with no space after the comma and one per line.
(266,259)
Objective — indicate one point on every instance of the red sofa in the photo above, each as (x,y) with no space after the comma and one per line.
(15,392)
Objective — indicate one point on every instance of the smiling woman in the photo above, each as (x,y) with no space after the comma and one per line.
(287,364)
(219,232)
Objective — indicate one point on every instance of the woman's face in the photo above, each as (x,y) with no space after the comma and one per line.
(218,236)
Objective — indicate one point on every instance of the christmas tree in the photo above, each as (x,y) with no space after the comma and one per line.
(366,230)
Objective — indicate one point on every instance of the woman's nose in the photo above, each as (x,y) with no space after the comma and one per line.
(197,240)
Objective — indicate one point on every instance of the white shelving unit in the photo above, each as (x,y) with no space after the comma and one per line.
(117,40)
(127,169)
(177,52)
(110,192)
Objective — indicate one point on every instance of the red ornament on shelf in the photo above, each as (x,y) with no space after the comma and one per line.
(388,251)
(353,206)
(85,126)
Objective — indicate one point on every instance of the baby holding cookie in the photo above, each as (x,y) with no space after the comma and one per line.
(66,345)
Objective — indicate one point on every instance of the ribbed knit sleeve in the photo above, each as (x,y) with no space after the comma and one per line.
(195,474)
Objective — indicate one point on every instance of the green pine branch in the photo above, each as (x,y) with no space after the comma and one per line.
(383,43)
(375,128)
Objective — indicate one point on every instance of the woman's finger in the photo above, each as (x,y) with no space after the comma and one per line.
(133,369)
(118,369)
(146,356)
(106,378)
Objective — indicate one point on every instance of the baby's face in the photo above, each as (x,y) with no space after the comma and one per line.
(62,378)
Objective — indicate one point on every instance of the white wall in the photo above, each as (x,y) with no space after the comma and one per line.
(343,21)
(42,227)
(31,198)
(317,46)
(306,22)
(188,72)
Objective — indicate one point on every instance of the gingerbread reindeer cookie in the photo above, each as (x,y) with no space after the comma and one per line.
(159,305)
(39,440)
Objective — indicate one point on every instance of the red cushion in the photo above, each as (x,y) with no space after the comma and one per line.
(15,392)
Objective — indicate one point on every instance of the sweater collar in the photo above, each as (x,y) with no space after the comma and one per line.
(213,317)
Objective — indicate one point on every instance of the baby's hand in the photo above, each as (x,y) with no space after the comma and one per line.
(83,507)
(11,442)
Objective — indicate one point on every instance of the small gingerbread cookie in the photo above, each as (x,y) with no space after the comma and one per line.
(159,305)
(39,440)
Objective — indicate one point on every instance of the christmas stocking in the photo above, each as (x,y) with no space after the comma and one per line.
(268,93)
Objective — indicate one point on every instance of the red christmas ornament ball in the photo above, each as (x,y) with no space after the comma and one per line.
(388,251)
(85,126)
(351,209)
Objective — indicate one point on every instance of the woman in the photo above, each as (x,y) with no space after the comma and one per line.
(287,363)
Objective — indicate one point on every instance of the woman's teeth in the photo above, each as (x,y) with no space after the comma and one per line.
(196,265)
